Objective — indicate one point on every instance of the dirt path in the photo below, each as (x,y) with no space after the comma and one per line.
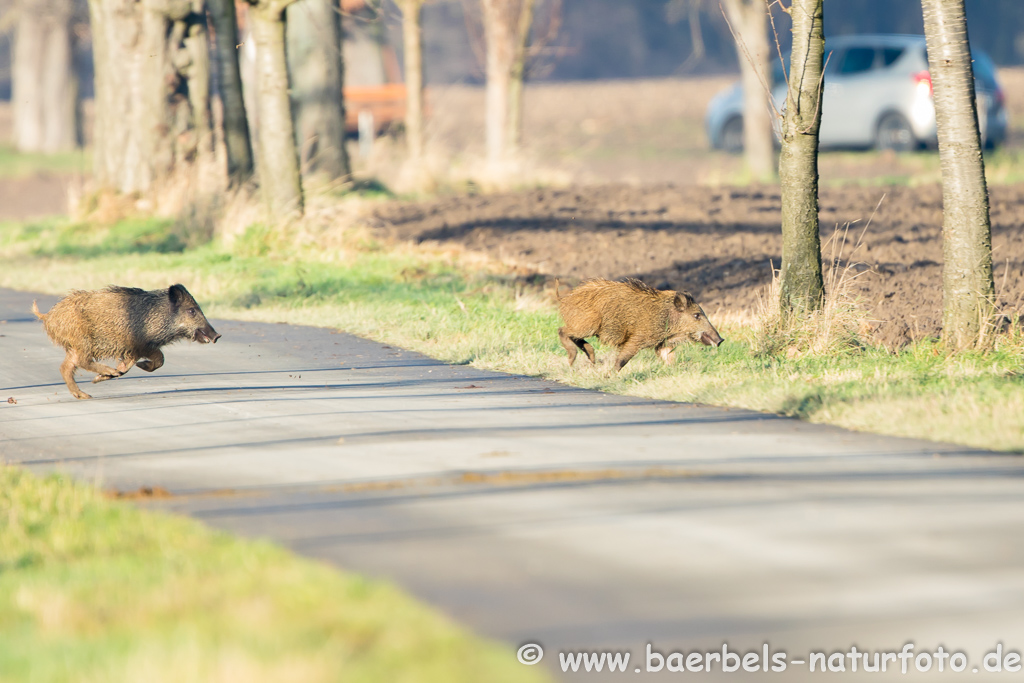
(718,242)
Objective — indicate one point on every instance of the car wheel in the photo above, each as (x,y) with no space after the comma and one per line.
(732,135)
(894,132)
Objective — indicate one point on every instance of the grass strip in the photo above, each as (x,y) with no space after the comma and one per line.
(97,590)
(460,309)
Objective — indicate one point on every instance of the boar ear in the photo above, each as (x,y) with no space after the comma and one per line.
(177,293)
(683,301)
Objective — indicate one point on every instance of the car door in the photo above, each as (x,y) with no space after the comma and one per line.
(847,97)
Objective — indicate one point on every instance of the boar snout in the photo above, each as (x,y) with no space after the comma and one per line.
(710,340)
(207,335)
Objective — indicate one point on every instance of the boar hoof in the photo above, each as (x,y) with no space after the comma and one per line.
(81,394)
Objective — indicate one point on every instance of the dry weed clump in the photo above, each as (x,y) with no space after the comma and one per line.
(840,326)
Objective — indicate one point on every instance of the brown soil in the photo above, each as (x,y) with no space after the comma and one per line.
(719,243)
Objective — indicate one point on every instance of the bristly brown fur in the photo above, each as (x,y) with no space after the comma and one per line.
(631,315)
(125,323)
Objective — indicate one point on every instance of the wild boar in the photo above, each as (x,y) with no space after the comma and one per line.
(125,323)
(631,316)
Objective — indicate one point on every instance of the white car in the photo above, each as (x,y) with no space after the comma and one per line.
(877,93)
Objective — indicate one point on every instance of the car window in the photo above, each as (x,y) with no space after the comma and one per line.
(857,60)
(890,55)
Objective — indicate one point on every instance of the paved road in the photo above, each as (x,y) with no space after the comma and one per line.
(532,511)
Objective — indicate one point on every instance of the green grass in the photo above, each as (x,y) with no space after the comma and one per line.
(97,590)
(448,306)
(14,164)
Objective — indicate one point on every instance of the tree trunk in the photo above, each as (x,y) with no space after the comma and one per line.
(236,126)
(749,19)
(45,88)
(802,287)
(280,182)
(151,91)
(196,68)
(120,154)
(498,69)
(697,50)
(967,288)
(507,31)
(518,79)
(316,77)
(412,38)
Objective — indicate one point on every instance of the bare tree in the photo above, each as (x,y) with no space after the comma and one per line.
(45,88)
(236,125)
(967,287)
(748,21)
(507,25)
(316,78)
(151,90)
(518,77)
(412,38)
(691,9)
(801,286)
(280,182)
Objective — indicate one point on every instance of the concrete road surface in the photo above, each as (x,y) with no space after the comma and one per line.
(538,513)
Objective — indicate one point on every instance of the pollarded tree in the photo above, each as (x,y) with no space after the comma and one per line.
(316,78)
(801,286)
(968,291)
(748,20)
(44,84)
(152,84)
(278,157)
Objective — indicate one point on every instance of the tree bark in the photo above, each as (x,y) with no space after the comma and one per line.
(316,77)
(236,126)
(518,79)
(280,182)
(151,91)
(44,85)
(120,156)
(802,287)
(499,48)
(968,290)
(506,29)
(412,38)
(195,64)
(749,19)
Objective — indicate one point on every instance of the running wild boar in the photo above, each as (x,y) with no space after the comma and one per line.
(125,323)
(631,316)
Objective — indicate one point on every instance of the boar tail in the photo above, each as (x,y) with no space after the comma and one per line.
(557,294)
(35,309)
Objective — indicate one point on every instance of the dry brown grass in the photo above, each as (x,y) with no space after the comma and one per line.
(839,326)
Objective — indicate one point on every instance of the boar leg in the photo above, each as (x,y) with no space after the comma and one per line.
(122,367)
(625,354)
(585,345)
(154,362)
(572,344)
(102,371)
(667,353)
(67,371)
